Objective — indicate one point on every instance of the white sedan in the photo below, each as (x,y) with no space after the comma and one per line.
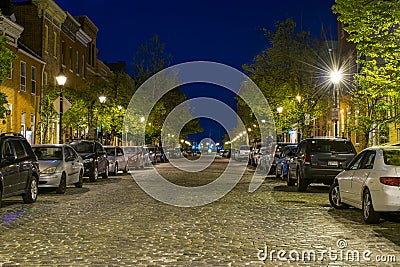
(371,182)
(60,166)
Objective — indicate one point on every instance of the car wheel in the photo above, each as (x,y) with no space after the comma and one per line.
(94,175)
(79,184)
(369,214)
(277,173)
(334,197)
(105,173)
(63,185)
(290,181)
(32,190)
(115,172)
(126,169)
(301,182)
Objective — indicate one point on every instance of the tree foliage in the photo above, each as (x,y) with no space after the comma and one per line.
(283,71)
(6,58)
(374,27)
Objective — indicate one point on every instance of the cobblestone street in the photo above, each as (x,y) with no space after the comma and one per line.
(113,222)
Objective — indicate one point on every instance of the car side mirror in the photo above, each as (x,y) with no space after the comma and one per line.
(343,165)
(69,158)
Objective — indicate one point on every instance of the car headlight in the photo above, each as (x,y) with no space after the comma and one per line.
(50,170)
(87,160)
(133,158)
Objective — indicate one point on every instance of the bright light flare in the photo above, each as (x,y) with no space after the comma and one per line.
(336,76)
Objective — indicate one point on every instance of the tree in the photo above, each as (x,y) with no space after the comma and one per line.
(6,58)
(149,59)
(283,71)
(374,27)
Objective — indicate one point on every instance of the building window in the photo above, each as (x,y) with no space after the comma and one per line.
(23,77)
(63,53)
(83,66)
(70,58)
(33,80)
(77,62)
(46,38)
(10,73)
(55,45)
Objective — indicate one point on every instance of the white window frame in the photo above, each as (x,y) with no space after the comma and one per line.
(22,80)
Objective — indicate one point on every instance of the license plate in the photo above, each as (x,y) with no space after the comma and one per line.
(333,163)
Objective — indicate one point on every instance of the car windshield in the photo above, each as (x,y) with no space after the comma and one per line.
(391,157)
(132,150)
(110,151)
(83,147)
(48,153)
(244,148)
(331,146)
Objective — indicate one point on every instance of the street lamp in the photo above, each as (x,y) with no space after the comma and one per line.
(336,77)
(102,100)
(61,80)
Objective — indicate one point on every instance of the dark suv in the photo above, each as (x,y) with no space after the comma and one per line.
(19,168)
(94,157)
(319,160)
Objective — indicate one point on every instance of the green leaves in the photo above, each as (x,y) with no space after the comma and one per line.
(374,27)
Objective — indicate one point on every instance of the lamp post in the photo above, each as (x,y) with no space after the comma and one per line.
(280,110)
(102,100)
(336,76)
(61,80)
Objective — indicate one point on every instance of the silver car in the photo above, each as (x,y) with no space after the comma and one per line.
(116,159)
(60,166)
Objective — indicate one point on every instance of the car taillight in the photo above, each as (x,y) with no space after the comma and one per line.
(307,159)
(392,181)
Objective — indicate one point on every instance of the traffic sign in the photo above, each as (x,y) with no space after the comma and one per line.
(66,104)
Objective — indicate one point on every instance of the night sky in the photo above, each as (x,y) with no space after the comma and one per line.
(228,32)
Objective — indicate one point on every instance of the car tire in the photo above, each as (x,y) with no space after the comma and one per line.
(334,197)
(104,175)
(369,214)
(79,184)
(290,181)
(301,182)
(276,173)
(126,169)
(63,185)
(94,175)
(115,172)
(32,190)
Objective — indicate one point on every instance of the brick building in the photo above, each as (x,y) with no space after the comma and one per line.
(23,84)
(63,42)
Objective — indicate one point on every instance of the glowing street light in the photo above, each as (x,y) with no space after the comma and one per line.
(61,80)
(336,77)
(279,109)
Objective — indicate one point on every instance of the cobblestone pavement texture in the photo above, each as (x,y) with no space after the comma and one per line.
(114,223)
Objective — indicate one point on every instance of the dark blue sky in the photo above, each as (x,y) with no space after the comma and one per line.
(223,31)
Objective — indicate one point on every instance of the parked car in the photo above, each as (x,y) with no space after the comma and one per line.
(116,159)
(151,150)
(243,153)
(370,182)
(19,168)
(94,158)
(60,166)
(282,162)
(134,156)
(319,160)
(277,154)
(147,156)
